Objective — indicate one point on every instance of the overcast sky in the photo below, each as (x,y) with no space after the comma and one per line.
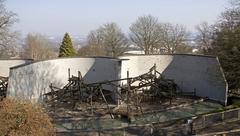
(78,17)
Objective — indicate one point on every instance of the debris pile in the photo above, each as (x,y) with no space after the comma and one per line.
(150,87)
(3,87)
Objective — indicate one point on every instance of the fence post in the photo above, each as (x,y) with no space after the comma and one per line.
(223,116)
(238,113)
(151,130)
(203,120)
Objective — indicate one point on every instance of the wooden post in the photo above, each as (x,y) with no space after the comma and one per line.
(99,132)
(91,100)
(137,102)
(141,108)
(52,97)
(68,73)
(106,101)
(171,94)
(79,86)
(51,87)
(79,75)
(155,69)
(223,116)
(128,91)
(238,113)
(204,122)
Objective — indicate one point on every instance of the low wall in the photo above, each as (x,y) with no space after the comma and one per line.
(190,72)
(5,65)
(32,81)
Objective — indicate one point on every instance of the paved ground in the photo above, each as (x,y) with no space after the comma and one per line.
(178,113)
(75,125)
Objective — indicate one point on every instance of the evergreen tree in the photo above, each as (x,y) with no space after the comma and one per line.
(227,48)
(226,45)
(66,48)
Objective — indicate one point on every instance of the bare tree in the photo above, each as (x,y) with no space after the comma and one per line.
(204,37)
(7,38)
(91,50)
(146,33)
(185,48)
(37,47)
(114,40)
(154,37)
(234,4)
(106,40)
(9,47)
(230,19)
(173,37)
(94,45)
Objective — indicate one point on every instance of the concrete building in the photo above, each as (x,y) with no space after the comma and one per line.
(189,72)
(31,81)
(202,74)
(6,64)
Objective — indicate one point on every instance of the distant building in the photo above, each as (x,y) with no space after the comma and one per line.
(134,52)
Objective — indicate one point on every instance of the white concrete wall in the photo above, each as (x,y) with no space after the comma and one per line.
(33,80)
(141,64)
(5,65)
(189,71)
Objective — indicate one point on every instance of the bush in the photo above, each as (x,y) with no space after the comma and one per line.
(21,118)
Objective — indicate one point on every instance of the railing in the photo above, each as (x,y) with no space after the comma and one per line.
(216,118)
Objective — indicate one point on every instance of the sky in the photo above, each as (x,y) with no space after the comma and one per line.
(78,17)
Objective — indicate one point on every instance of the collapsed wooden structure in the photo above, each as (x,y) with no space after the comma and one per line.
(3,87)
(148,87)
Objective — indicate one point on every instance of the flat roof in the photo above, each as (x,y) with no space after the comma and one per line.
(105,57)
(15,59)
(197,55)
